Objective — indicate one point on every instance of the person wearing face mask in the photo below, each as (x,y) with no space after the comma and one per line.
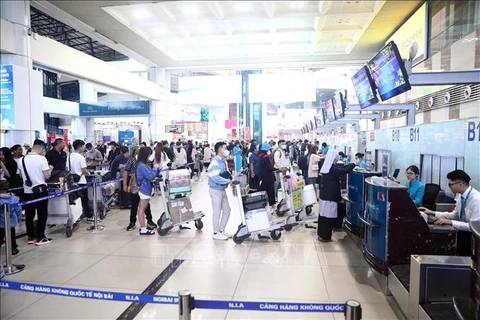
(76,164)
(218,180)
(265,174)
(180,156)
(415,188)
(93,156)
(114,151)
(280,160)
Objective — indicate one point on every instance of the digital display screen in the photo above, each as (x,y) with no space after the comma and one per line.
(388,72)
(338,105)
(364,88)
(329,112)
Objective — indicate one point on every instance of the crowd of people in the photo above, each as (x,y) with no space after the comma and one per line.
(26,172)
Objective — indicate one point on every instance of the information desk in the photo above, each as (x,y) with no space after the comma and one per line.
(355,200)
(394,228)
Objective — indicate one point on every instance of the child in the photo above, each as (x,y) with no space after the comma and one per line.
(15,214)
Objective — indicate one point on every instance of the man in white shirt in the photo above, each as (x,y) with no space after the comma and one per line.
(35,172)
(76,164)
(467,203)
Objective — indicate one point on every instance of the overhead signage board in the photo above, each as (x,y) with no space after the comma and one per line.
(174,128)
(7,98)
(117,108)
(411,36)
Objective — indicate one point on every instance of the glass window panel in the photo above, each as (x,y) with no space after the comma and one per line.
(460,164)
(448,164)
(426,168)
(436,170)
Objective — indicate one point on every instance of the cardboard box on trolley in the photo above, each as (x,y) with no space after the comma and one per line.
(180,210)
(179,178)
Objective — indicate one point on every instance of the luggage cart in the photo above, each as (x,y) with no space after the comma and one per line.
(60,211)
(105,196)
(299,201)
(243,231)
(242,178)
(177,206)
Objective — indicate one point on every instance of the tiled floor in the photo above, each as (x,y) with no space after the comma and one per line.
(295,269)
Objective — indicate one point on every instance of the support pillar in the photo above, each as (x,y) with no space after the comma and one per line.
(25,115)
(160,110)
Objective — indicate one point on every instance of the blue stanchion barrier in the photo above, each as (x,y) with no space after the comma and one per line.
(51,196)
(162,299)
(108,182)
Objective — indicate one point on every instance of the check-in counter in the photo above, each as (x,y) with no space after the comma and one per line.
(394,228)
(354,198)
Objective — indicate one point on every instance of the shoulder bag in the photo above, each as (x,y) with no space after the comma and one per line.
(40,189)
(133,183)
(75,176)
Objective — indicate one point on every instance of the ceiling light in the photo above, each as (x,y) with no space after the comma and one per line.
(242,7)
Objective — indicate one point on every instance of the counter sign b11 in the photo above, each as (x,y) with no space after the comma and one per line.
(473,131)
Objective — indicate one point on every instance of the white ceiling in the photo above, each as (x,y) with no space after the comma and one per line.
(196,30)
(213,35)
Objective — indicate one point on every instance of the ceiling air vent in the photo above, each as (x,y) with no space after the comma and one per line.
(430,101)
(457,95)
(446,98)
(467,92)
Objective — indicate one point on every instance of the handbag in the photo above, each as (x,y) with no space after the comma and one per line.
(75,176)
(40,189)
(133,183)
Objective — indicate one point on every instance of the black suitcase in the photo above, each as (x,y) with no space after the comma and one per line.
(255,201)
(125,202)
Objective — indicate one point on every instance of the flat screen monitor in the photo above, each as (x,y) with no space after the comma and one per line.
(321,117)
(329,111)
(311,125)
(388,72)
(364,87)
(339,105)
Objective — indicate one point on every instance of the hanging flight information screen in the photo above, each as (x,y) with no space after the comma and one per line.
(364,88)
(388,72)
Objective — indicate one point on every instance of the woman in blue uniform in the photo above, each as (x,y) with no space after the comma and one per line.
(360,156)
(416,189)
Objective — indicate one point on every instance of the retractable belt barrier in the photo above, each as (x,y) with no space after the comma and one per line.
(187,303)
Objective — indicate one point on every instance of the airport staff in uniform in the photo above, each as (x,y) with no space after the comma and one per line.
(415,188)
(467,209)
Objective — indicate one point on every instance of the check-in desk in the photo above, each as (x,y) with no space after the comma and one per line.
(394,228)
(469,308)
(354,198)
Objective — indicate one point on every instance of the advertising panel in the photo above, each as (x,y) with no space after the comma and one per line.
(411,37)
(7,98)
(120,108)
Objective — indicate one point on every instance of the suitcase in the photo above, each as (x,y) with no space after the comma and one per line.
(179,178)
(254,201)
(125,202)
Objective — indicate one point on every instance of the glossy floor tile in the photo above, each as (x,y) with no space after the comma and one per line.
(297,268)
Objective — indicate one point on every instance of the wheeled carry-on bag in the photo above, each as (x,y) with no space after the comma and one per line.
(254,201)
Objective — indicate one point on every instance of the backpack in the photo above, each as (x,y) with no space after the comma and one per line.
(303,162)
(133,183)
(272,156)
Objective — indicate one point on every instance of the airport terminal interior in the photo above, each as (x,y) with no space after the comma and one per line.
(240,159)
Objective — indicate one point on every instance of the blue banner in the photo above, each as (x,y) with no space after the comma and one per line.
(7,98)
(117,108)
(125,137)
(160,299)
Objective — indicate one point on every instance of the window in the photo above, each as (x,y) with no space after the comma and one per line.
(434,169)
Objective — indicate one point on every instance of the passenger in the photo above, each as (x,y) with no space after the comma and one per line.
(207,155)
(8,167)
(191,156)
(56,157)
(237,153)
(180,156)
(330,194)
(218,180)
(161,158)
(131,167)
(325,148)
(169,151)
(119,162)
(416,189)
(360,156)
(253,161)
(467,200)
(15,215)
(144,176)
(265,174)
(134,147)
(77,165)
(313,160)
(93,156)
(36,166)
(114,151)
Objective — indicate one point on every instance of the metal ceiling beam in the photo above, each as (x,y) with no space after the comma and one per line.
(409,107)
(370,116)
(444,78)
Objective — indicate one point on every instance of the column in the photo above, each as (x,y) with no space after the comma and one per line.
(25,108)
(160,110)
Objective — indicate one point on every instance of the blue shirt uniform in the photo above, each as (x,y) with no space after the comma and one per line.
(325,150)
(363,165)
(416,190)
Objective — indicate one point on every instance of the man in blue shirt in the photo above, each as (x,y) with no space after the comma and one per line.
(218,180)
(416,189)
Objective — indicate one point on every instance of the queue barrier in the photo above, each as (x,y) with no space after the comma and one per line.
(186,303)
(11,268)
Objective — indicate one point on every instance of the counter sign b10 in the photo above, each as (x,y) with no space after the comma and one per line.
(473,131)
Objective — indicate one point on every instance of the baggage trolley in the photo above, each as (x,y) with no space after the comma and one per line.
(60,211)
(243,231)
(177,206)
(300,201)
(105,193)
